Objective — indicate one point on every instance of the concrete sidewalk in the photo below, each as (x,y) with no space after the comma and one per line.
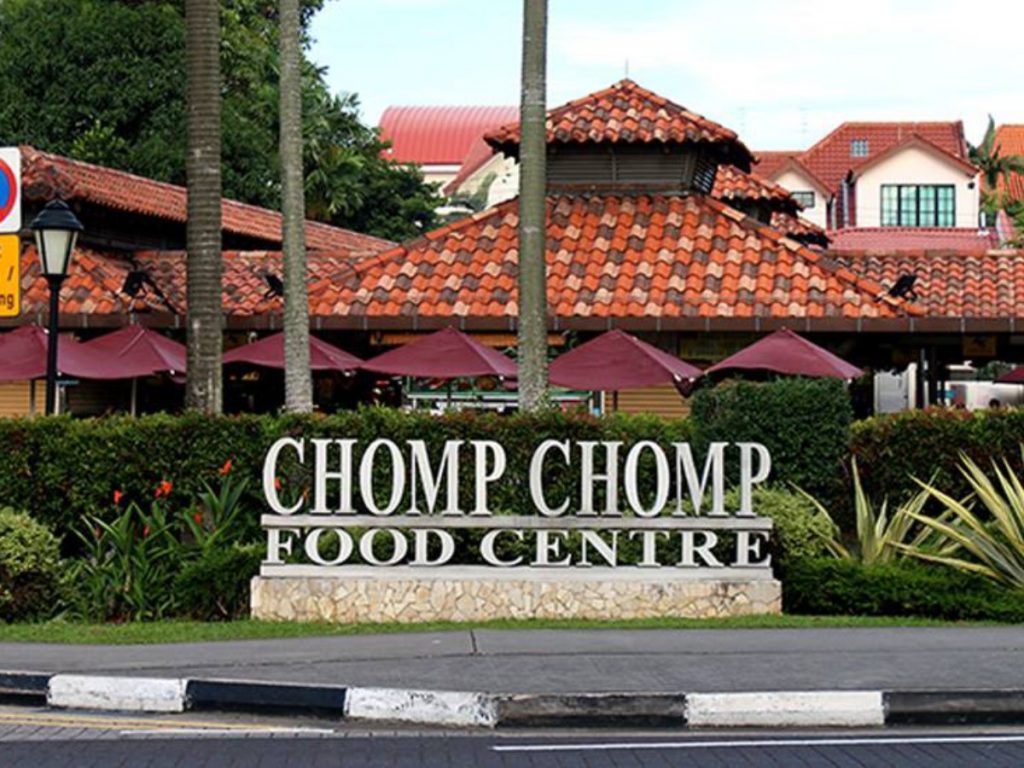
(583,661)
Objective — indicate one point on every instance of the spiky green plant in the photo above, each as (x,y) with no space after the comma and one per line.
(881,537)
(995,545)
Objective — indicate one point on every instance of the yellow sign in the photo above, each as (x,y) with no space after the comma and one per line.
(10,276)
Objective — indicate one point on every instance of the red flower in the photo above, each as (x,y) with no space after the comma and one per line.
(224,470)
(118,495)
(145,531)
(164,489)
(198,517)
(277,483)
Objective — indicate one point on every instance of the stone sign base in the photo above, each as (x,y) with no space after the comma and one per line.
(474,593)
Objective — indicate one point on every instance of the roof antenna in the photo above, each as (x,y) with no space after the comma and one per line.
(627,69)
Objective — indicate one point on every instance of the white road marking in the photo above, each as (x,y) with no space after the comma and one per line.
(759,743)
(227,731)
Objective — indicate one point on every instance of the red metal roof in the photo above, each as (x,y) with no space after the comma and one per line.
(614,256)
(438,135)
(1010,141)
(913,238)
(626,113)
(45,176)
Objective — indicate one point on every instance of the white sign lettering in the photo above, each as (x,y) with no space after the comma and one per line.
(594,504)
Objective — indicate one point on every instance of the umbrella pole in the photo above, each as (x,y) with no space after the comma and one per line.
(135,395)
(615,401)
(448,387)
(32,397)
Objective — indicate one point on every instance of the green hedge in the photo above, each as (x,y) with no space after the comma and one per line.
(829,587)
(804,423)
(892,450)
(30,568)
(60,469)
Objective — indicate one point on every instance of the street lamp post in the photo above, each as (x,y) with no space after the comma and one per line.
(56,229)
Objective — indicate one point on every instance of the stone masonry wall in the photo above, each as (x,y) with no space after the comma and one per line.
(405,599)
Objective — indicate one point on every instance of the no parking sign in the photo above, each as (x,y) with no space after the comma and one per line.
(10,190)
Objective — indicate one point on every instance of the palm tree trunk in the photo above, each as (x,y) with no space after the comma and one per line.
(203,389)
(298,382)
(533,348)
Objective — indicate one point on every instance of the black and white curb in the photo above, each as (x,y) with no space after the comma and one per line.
(774,709)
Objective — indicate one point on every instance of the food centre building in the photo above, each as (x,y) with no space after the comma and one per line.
(656,225)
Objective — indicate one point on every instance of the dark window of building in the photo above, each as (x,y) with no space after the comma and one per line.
(805,198)
(859,148)
(918,205)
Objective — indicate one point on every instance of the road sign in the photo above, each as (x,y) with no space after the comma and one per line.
(10,276)
(10,189)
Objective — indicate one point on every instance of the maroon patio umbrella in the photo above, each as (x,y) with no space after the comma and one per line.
(446,354)
(23,356)
(131,352)
(1016,376)
(786,352)
(616,360)
(269,353)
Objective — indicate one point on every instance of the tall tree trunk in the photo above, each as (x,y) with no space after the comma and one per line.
(298,381)
(205,314)
(533,348)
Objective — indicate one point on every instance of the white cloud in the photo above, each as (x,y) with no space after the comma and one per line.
(780,66)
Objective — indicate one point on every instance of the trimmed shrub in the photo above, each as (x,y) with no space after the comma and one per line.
(799,532)
(804,423)
(829,587)
(892,450)
(216,586)
(30,568)
(62,469)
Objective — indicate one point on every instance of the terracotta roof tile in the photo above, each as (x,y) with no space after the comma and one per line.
(45,175)
(831,158)
(733,184)
(980,285)
(587,278)
(625,113)
(1010,141)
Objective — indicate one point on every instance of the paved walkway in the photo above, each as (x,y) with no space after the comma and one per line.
(569,661)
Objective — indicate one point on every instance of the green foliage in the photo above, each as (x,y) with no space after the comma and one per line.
(104,81)
(991,544)
(880,538)
(892,450)
(804,423)
(902,588)
(30,568)
(216,585)
(994,167)
(62,469)
(132,565)
(128,564)
(799,531)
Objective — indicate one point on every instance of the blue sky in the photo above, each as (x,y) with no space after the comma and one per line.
(780,72)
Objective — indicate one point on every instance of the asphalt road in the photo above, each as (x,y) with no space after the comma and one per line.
(40,739)
(568,661)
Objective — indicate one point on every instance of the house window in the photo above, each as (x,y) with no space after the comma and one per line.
(805,198)
(918,205)
(859,148)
